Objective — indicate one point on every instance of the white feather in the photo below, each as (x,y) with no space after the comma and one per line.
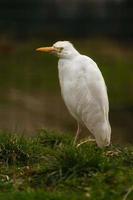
(84,92)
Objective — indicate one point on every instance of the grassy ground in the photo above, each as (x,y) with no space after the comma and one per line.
(49,167)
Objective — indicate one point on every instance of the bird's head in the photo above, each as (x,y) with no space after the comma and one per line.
(63,49)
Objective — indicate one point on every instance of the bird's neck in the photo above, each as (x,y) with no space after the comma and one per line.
(70,54)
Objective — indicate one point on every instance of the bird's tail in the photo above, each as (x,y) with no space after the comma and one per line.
(103,134)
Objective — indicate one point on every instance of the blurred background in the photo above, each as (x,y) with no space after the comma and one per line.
(29,89)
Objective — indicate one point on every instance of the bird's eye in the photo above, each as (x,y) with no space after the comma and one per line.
(60,49)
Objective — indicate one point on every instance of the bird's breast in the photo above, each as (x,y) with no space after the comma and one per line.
(69,83)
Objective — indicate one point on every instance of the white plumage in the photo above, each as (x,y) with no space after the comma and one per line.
(83,90)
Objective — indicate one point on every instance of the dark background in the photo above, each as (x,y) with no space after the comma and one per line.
(30,94)
(73,18)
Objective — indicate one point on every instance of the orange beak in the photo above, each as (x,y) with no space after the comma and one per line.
(46,49)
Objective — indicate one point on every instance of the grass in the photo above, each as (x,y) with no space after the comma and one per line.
(49,167)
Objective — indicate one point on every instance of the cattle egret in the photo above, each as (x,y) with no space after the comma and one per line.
(83,90)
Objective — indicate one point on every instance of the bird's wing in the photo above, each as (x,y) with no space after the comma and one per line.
(95,85)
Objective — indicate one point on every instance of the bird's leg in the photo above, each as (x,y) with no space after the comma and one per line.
(85,141)
(77,134)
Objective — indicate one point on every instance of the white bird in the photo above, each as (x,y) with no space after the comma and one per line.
(83,90)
